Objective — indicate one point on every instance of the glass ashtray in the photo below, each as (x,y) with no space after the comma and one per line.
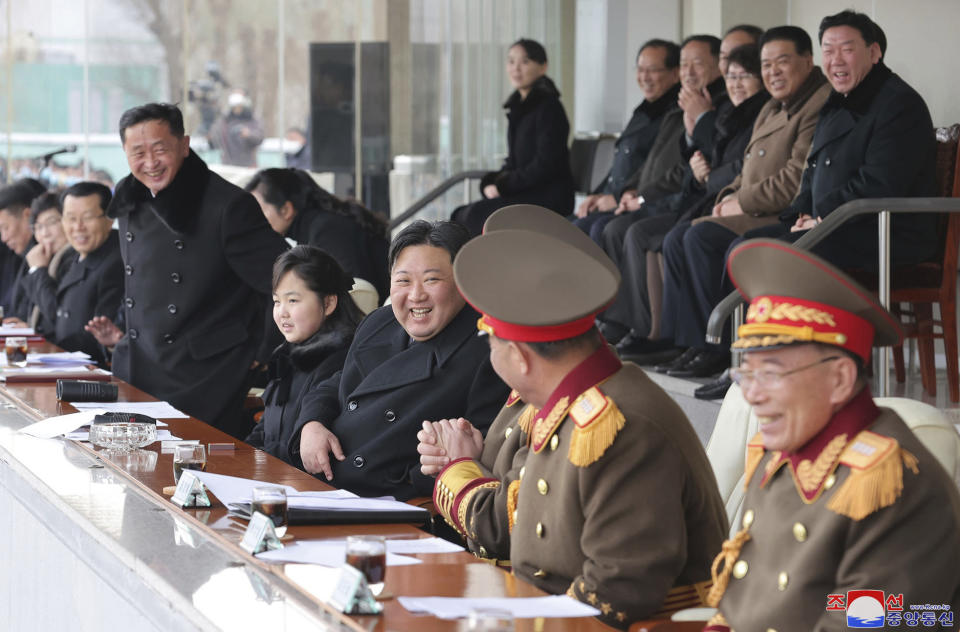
(123,435)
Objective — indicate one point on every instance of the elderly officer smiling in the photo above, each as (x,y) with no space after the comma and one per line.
(840,494)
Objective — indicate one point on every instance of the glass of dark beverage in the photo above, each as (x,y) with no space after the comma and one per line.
(188,457)
(272,503)
(16,348)
(368,554)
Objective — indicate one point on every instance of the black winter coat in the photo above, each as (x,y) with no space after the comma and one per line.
(198,261)
(294,370)
(359,252)
(876,142)
(537,167)
(388,387)
(88,288)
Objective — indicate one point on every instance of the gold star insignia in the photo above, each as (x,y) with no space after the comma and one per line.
(606,608)
(621,616)
(592,598)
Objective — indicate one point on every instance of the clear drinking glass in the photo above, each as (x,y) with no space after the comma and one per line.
(188,457)
(368,554)
(16,348)
(272,503)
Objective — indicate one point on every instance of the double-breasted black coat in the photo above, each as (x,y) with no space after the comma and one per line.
(88,288)
(197,263)
(294,370)
(388,387)
(876,142)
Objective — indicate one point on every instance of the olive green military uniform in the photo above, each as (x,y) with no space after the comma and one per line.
(871,510)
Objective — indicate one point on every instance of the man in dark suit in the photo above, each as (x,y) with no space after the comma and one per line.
(17,236)
(93,284)
(197,256)
(418,359)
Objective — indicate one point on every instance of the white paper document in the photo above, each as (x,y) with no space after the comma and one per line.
(413,546)
(6,330)
(157,410)
(520,607)
(325,553)
(56,426)
(68,358)
(231,489)
(49,372)
(347,503)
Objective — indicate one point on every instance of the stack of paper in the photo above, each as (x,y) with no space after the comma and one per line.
(518,607)
(157,410)
(53,373)
(63,358)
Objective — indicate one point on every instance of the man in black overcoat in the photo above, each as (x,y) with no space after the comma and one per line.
(197,256)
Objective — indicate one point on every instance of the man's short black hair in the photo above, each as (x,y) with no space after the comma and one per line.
(83,189)
(43,202)
(16,197)
(167,112)
(860,21)
(589,339)
(710,40)
(447,235)
(672,58)
(799,37)
(747,57)
(752,30)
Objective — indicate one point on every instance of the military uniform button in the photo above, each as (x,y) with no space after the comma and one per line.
(540,573)
(352,404)
(539,529)
(358,461)
(746,156)
(740,569)
(178,244)
(771,630)
(172,308)
(522,470)
(506,433)
(799,532)
(830,482)
(554,442)
(168,338)
(133,333)
(389,415)
(542,487)
(175,277)
(128,235)
(762,153)
(782,580)
(129,302)
(128,269)
(483,552)
(748,517)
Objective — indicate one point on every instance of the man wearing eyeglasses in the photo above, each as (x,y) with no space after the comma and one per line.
(841,496)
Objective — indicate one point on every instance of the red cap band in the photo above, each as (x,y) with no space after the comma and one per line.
(538,333)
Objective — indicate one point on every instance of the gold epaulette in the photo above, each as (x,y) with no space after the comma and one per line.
(526,418)
(598,420)
(754,456)
(876,475)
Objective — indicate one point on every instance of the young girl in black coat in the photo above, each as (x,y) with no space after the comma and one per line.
(313,309)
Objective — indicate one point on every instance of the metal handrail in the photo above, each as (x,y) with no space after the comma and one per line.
(882,207)
(434,193)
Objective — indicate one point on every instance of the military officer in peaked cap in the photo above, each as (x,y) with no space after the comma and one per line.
(841,496)
(615,503)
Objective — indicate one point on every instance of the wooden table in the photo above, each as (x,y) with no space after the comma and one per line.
(457,574)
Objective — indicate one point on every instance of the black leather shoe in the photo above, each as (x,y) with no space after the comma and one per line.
(613,332)
(716,389)
(680,361)
(629,341)
(705,364)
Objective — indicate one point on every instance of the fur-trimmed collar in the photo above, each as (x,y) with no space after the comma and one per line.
(304,357)
(177,206)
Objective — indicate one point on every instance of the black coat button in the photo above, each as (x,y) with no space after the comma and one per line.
(827,162)
(134,334)
(175,277)
(172,308)
(129,302)
(128,269)
(168,338)
(352,404)
(128,235)
(358,461)
(389,415)
(178,244)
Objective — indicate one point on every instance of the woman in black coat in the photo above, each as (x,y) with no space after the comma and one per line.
(299,209)
(314,312)
(537,168)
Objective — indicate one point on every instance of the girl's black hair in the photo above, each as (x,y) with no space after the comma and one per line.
(324,276)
